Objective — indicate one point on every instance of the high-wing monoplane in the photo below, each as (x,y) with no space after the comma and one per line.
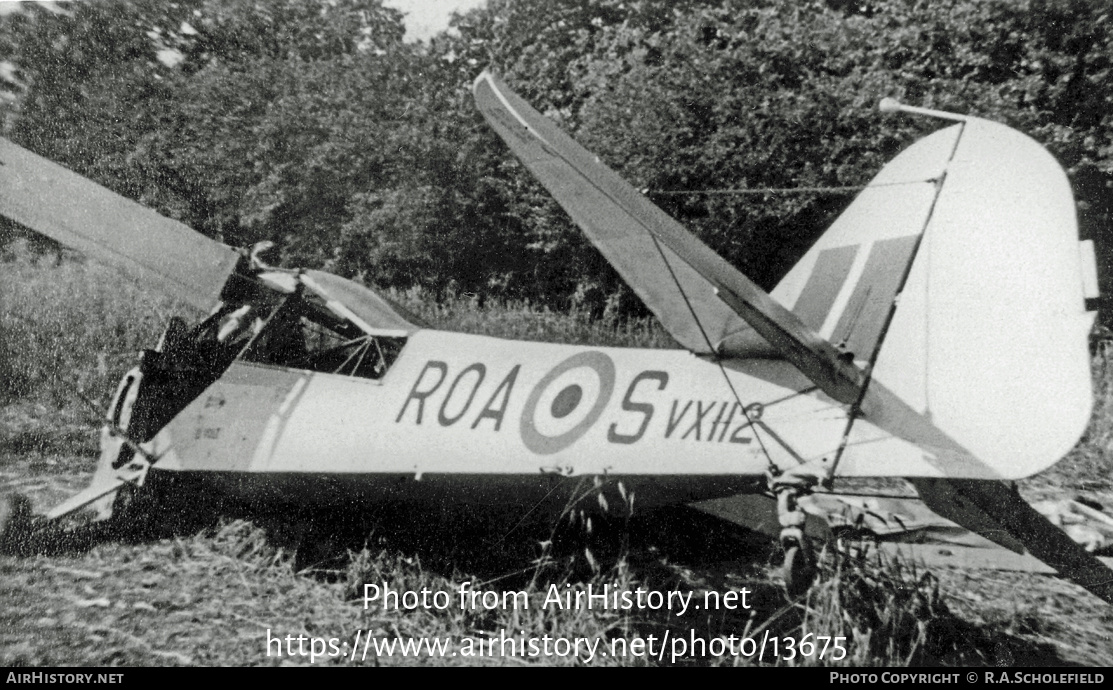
(938,332)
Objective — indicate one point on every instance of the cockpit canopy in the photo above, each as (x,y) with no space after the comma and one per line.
(373,314)
(314,321)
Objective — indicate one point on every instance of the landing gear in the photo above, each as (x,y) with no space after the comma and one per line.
(799,568)
(15,522)
(128,505)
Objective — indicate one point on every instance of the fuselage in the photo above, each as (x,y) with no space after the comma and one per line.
(474,415)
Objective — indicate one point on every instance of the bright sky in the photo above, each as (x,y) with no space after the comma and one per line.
(8,6)
(423,17)
(427,17)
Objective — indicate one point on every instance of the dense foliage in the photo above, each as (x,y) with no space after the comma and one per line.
(312,123)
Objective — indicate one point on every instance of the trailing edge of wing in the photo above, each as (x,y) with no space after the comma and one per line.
(706,304)
(997,512)
(162,253)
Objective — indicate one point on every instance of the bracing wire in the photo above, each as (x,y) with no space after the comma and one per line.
(856,409)
(711,348)
(838,189)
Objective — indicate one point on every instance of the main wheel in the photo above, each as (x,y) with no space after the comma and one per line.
(137,511)
(15,522)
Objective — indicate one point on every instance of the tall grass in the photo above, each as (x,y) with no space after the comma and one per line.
(67,325)
(887,613)
(522,320)
(1099,435)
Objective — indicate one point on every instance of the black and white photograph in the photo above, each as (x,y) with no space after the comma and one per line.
(473,333)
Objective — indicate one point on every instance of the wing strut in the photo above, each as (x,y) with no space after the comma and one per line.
(772,466)
(997,512)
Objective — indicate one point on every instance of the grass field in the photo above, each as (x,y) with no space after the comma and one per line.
(208,583)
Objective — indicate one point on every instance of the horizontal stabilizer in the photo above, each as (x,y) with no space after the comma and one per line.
(162,253)
(706,304)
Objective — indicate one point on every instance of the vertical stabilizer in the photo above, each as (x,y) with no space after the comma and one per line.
(987,347)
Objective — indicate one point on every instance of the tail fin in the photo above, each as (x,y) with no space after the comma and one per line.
(989,342)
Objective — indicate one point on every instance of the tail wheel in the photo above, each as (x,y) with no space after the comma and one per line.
(799,568)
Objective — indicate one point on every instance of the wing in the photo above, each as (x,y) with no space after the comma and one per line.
(997,512)
(706,304)
(162,253)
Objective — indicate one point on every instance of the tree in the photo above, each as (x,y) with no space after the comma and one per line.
(310,122)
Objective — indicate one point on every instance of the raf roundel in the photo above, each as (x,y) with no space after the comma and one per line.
(567,402)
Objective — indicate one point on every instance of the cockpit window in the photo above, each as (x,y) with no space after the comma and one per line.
(302,320)
(303,332)
(361,304)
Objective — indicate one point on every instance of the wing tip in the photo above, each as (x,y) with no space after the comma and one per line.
(486,76)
